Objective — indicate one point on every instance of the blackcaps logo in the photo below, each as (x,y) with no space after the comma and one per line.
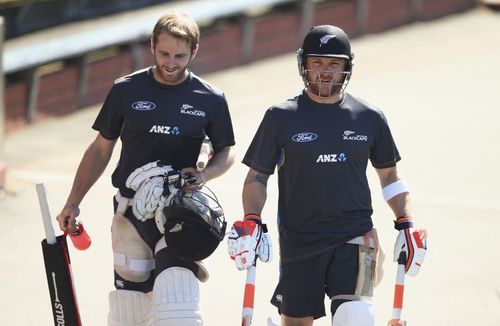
(190,110)
(351,135)
(304,137)
(325,39)
(143,106)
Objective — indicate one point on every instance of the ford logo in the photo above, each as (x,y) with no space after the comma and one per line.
(143,106)
(304,137)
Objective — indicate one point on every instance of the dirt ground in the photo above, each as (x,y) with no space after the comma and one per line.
(437,83)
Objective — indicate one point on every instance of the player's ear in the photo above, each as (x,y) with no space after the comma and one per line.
(152,47)
(194,51)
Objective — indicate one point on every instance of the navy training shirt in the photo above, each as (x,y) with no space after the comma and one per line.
(321,151)
(162,122)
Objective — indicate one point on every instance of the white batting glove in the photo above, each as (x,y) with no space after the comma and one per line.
(160,218)
(265,248)
(147,198)
(411,242)
(244,242)
(145,172)
(149,182)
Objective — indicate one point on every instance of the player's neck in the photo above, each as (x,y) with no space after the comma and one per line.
(323,99)
(169,81)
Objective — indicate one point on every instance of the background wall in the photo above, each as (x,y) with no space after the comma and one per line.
(69,85)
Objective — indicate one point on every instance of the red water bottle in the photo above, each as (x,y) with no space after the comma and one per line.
(80,238)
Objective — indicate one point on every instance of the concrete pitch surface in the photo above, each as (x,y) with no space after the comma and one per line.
(437,83)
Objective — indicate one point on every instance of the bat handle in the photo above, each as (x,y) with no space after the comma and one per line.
(397,307)
(206,153)
(248,297)
(44,207)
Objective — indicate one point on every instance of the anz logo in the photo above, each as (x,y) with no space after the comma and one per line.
(331,158)
(304,137)
(143,106)
(156,129)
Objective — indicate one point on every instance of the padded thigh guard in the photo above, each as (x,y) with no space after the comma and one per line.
(133,258)
(354,313)
(367,273)
(176,298)
(129,308)
(353,309)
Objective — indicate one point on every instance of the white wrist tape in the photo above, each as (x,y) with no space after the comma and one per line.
(393,189)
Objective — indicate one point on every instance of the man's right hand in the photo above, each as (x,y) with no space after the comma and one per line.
(411,241)
(244,240)
(67,218)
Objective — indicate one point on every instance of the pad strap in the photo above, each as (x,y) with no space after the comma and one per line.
(351,297)
(123,202)
(360,241)
(135,265)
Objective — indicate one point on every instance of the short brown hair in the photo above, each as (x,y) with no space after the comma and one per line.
(179,25)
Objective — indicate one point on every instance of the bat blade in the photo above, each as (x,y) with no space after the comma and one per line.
(58,269)
(60,281)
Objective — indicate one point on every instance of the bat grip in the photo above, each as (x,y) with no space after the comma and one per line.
(202,161)
(248,297)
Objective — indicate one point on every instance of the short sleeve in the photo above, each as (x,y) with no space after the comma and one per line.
(384,153)
(220,128)
(264,152)
(110,119)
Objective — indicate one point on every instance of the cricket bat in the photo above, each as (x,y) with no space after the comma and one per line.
(397,307)
(58,270)
(248,297)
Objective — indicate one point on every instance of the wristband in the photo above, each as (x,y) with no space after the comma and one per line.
(252,216)
(257,219)
(394,189)
(403,222)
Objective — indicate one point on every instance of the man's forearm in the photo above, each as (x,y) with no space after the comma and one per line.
(219,164)
(90,169)
(254,192)
(400,204)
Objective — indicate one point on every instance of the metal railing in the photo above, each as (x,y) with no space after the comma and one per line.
(83,37)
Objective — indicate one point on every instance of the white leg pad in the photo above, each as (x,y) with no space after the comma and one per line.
(176,298)
(129,308)
(354,313)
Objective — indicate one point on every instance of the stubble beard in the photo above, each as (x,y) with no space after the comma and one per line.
(170,79)
(324,89)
